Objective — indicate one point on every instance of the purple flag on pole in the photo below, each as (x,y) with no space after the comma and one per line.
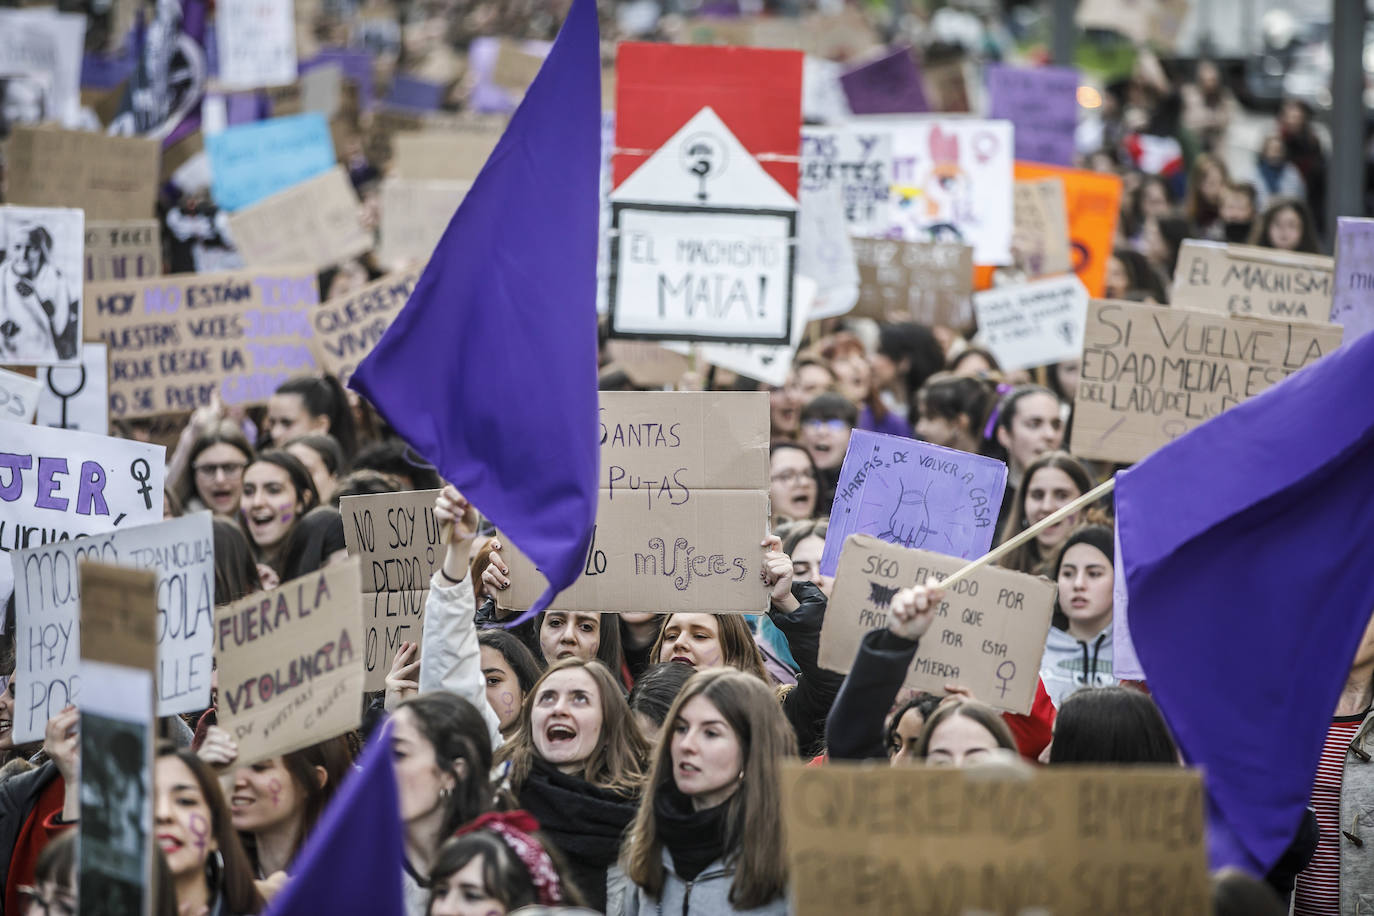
(888,85)
(1247,547)
(490,370)
(352,862)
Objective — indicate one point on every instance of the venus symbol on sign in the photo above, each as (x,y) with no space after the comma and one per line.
(140,472)
(1006,676)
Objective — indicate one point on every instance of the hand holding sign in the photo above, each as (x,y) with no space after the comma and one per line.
(777,575)
(913,610)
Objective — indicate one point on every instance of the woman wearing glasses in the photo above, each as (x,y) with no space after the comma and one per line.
(792,483)
(214,472)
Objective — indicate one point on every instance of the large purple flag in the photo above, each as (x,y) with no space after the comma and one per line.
(353,860)
(1248,545)
(490,370)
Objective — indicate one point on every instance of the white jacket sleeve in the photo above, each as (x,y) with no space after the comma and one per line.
(450,658)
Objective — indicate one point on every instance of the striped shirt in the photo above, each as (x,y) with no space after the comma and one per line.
(1318,890)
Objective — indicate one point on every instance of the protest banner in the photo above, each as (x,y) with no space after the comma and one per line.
(1042,104)
(18,397)
(765,362)
(859,163)
(988,635)
(77,397)
(316,222)
(1093,201)
(704,225)
(951,182)
(40,59)
(176,340)
(1040,237)
(40,285)
(891,84)
(290,663)
(1151,373)
(123,249)
(936,841)
(1248,280)
(347,328)
(396,568)
(904,491)
(1033,324)
(257,43)
(110,178)
(515,66)
(926,282)
(1351,304)
(249,162)
(683,508)
(115,852)
(452,155)
(48,605)
(415,213)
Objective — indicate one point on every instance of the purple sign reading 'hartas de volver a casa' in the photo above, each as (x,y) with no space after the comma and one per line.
(1042,104)
(916,495)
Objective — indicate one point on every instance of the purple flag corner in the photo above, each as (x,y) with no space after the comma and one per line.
(1247,546)
(353,860)
(490,370)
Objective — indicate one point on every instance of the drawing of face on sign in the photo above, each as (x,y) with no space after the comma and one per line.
(170,80)
(40,284)
(23,100)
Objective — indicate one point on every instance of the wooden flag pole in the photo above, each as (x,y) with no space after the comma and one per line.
(992,556)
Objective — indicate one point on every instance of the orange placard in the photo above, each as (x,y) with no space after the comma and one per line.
(1094,200)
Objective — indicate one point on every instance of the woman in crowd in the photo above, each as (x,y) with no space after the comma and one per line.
(638,633)
(310,404)
(708,836)
(1111,725)
(1130,276)
(951,410)
(905,726)
(792,482)
(577,764)
(277,491)
(1202,204)
(1052,481)
(323,458)
(496,864)
(236,569)
(1275,176)
(1078,652)
(826,425)
(214,472)
(973,362)
(1025,424)
(653,695)
(509,671)
(1152,199)
(906,356)
(962,732)
(1286,224)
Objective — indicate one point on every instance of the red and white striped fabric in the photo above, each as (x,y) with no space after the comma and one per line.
(1318,890)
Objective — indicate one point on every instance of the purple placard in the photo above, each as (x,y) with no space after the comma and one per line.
(355,64)
(415,94)
(914,494)
(888,85)
(1352,301)
(1042,105)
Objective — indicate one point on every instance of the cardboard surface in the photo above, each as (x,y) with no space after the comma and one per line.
(1151,373)
(926,841)
(926,282)
(123,249)
(347,328)
(316,222)
(396,539)
(647,364)
(683,508)
(415,213)
(1093,201)
(111,178)
(1040,238)
(452,155)
(1248,280)
(118,615)
(176,340)
(1033,324)
(291,663)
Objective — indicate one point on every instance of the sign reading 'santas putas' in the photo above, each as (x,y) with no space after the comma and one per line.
(704,198)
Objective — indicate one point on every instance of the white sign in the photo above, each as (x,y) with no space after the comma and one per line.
(857,161)
(40,65)
(825,253)
(47,604)
(40,284)
(257,43)
(77,397)
(57,484)
(1033,324)
(18,397)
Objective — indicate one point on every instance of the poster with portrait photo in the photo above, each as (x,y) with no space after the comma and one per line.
(25,98)
(42,264)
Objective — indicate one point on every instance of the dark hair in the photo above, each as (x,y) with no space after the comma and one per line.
(394,457)
(1173,230)
(226,434)
(516,654)
(656,689)
(323,396)
(830,406)
(924,703)
(236,570)
(300,479)
(608,640)
(327,447)
(953,396)
(793,533)
(364,483)
(985,716)
(958,359)
(1307,243)
(1234,893)
(312,541)
(57,861)
(1027,558)
(1135,217)
(456,731)
(504,875)
(1005,412)
(914,344)
(1141,275)
(1111,725)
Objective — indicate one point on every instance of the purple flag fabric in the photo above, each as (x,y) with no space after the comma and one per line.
(1247,546)
(353,860)
(489,371)
(888,85)
(166,89)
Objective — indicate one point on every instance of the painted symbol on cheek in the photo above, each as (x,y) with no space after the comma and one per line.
(200,831)
(274,787)
(286,518)
(507,701)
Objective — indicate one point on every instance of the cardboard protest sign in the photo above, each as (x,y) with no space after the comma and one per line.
(1151,373)
(1033,324)
(988,635)
(859,163)
(347,328)
(927,841)
(40,65)
(951,182)
(1248,280)
(110,178)
(249,162)
(117,608)
(682,511)
(766,363)
(1352,305)
(257,43)
(316,222)
(1093,200)
(889,85)
(18,397)
(926,282)
(1042,104)
(648,365)
(415,213)
(916,494)
(397,541)
(453,155)
(123,249)
(1040,237)
(40,285)
(704,199)
(291,663)
(176,340)
(48,605)
(77,397)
